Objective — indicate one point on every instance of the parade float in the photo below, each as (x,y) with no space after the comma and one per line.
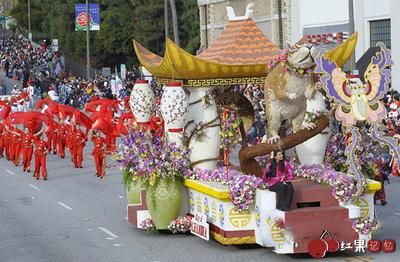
(231,204)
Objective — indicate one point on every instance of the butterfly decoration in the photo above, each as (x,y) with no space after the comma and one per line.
(357,101)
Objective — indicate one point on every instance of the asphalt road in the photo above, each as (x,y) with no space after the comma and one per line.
(75,216)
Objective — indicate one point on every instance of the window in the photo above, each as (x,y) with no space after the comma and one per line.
(380,32)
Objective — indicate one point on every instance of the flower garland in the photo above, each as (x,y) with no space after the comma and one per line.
(312,117)
(230,134)
(287,67)
(242,188)
(208,99)
(343,186)
(180,225)
(365,225)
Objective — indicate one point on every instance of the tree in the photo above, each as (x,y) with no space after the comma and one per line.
(121,22)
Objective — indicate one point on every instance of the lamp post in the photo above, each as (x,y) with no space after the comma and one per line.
(166,18)
(87,41)
(352,63)
(29,21)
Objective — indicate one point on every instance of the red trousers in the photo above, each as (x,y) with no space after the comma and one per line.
(7,145)
(49,140)
(55,142)
(110,141)
(70,145)
(1,146)
(40,163)
(78,154)
(16,152)
(61,147)
(27,158)
(99,160)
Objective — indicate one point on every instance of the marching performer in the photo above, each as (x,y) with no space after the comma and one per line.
(15,145)
(27,148)
(40,156)
(54,142)
(7,144)
(79,140)
(62,139)
(2,134)
(99,153)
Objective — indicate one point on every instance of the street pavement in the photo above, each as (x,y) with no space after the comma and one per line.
(75,217)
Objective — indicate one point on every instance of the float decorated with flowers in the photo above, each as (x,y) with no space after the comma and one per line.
(201,174)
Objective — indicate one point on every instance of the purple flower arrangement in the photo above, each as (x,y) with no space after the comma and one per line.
(242,188)
(343,186)
(150,158)
(242,191)
(367,153)
(365,225)
(180,225)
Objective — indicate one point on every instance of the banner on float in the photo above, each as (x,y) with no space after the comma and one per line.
(80,17)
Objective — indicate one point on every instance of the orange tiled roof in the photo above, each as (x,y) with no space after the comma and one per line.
(242,42)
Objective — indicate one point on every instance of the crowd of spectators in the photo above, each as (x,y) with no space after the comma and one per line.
(19,57)
(392,102)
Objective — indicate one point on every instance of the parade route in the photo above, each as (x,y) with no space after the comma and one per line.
(75,216)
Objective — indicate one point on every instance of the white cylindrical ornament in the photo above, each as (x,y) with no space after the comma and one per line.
(312,151)
(174,108)
(142,101)
(204,150)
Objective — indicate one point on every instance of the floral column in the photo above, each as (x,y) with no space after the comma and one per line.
(203,128)
(174,107)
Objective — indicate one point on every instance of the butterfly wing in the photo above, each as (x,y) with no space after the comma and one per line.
(333,79)
(377,75)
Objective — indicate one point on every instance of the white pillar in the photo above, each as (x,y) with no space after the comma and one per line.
(296,29)
(359,26)
(206,147)
(395,34)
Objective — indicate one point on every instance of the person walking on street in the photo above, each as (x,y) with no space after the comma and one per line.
(40,156)
(79,140)
(99,153)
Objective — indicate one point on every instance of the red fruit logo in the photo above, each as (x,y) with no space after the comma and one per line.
(333,245)
(317,248)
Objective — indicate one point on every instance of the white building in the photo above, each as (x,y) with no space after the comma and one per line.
(374,20)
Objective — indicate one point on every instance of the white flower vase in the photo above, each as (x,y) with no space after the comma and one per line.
(206,147)
(142,101)
(174,108)
(312,151)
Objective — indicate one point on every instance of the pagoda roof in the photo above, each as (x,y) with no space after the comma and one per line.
(242,42)
(241,51)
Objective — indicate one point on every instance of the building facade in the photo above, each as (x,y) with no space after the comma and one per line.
(289,20)
(374,20)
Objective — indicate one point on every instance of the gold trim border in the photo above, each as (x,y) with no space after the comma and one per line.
(208,190)
(216,82)
(233,240)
